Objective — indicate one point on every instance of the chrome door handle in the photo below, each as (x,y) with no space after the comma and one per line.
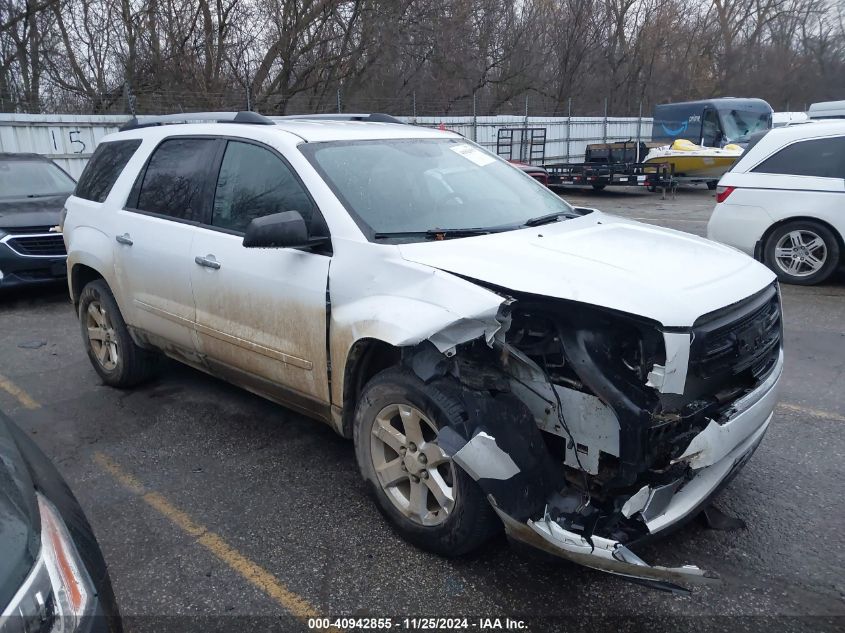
(124,239)
(208,261)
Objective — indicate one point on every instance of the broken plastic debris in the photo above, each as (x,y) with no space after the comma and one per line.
(672,377)
(482,458)
(599,553)
(636,503)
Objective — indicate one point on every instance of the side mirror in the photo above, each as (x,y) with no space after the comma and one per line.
(279,230)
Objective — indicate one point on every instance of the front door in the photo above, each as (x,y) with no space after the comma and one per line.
(261,313)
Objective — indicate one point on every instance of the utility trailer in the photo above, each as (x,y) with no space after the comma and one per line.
(618,164)
(600,175)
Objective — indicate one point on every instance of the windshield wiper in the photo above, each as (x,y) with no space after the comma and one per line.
(438,234)
(551,217)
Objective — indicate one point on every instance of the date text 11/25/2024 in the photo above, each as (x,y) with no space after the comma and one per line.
(420,624)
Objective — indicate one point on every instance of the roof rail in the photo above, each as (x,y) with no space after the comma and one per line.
(374,117)
(245,116)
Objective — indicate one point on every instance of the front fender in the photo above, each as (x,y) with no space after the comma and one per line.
(402,321)
(403,305)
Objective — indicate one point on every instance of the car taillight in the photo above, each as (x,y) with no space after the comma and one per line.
(722,193)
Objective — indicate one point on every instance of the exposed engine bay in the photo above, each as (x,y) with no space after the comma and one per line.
(591,430)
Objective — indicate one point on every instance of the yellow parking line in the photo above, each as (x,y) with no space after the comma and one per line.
(298,606)
(19,394)
(815,413)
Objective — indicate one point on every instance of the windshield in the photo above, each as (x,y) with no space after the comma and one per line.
(33,179)
(741,124)
(420,185)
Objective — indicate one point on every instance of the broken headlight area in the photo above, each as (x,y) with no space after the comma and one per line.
(586,426)
(585,373)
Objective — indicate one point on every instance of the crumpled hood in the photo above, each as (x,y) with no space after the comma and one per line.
(668,276)
(31,212)
(19,520)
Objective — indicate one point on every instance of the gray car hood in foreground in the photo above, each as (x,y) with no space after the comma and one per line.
(19,521)
(661,274)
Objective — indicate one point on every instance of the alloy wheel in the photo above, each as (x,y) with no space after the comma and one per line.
(414,472)
(101,335)
(800,253)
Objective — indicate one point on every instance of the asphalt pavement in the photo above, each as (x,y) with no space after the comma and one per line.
(212,503)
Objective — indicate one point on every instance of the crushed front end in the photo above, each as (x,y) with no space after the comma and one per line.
(592,430)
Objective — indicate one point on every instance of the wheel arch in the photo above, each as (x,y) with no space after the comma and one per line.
(80,276)
(366,358)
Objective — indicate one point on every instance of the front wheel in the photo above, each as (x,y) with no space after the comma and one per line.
(802,252)
(429,500)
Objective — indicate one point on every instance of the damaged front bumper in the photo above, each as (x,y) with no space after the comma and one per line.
(713,456)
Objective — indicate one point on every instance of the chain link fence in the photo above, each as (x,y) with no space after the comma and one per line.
(413,104)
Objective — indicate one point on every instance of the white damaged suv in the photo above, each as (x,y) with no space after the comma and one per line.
(498,356)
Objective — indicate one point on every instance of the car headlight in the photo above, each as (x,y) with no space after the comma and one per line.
(58,593)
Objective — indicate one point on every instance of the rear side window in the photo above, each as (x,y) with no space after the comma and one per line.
(102,170)
(175,178)
(254,182)
(821,157)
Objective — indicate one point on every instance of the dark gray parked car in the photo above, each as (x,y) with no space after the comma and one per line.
(33,190)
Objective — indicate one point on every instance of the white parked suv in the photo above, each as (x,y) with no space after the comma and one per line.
(784,201)
(498,356)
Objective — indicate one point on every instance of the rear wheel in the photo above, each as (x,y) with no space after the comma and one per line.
(712,184)
(113,353)
(429,500)
(802,252)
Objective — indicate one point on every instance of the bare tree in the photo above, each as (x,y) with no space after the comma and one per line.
(425,55)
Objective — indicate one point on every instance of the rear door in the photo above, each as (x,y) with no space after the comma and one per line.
(805,178)
(261,313)
(153,239)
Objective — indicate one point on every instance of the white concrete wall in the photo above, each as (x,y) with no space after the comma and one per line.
(67,139)
(70,139)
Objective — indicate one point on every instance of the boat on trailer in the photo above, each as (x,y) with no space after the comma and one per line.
(695,162)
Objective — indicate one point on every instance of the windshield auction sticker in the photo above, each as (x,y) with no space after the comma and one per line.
(472,153)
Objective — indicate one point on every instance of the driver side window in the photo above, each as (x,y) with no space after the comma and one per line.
(711,133)
(254,182)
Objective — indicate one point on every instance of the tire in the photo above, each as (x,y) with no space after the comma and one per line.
(712,184)
(116,357)
(470,521)
(809,252)
(599,187)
